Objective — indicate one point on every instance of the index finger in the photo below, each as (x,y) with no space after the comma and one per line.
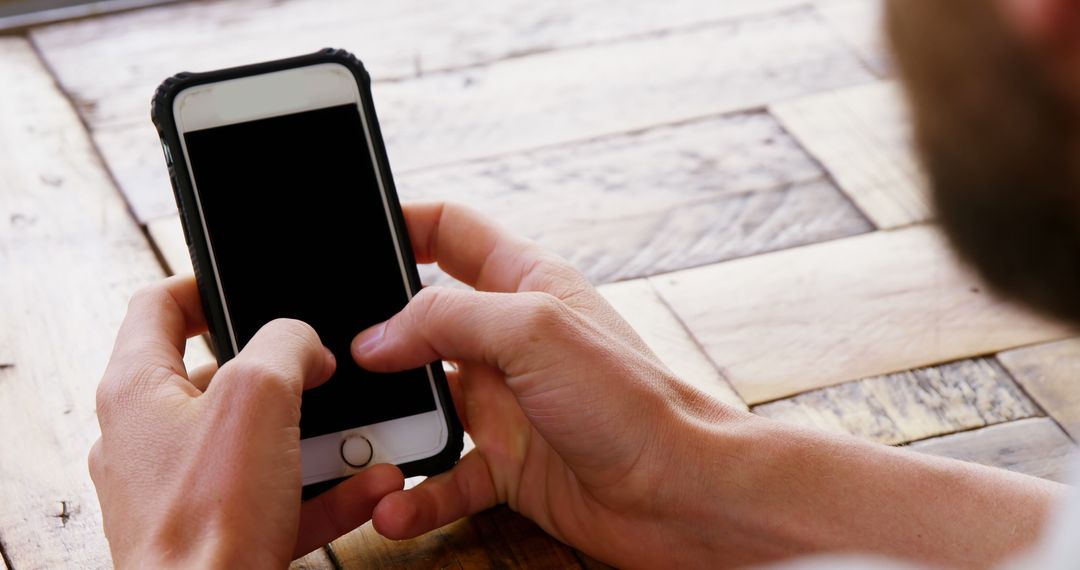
(473,249)
(153,337)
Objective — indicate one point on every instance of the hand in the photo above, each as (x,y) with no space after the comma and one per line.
(579,427)
(203,469)
(577,424)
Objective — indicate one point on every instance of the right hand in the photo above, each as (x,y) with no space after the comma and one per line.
(577,424)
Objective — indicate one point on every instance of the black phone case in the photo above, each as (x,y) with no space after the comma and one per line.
(183,190)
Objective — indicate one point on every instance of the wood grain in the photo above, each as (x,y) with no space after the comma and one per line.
(557,97)
(640,204)
(1050,373)
(396,40)
(639,304)
(71,256)
(788,322)
(497,538)
(1035,446)
(862,137)
(859,22)
(318,560)
(913,405)
(168,238)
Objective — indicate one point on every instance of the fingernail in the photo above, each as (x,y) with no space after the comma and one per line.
(369,339)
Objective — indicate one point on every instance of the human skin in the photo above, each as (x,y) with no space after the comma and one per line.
(578,426)
(203,469)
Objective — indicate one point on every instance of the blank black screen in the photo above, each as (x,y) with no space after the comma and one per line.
(297,226)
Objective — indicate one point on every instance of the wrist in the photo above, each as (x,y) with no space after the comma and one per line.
(208,549)
(763,491)
(706,487)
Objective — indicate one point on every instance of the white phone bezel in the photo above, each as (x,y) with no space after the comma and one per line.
(287,92)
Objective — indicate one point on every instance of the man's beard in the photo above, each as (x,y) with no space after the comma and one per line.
(996,141)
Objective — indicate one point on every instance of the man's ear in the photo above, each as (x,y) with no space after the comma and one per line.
(1044,24)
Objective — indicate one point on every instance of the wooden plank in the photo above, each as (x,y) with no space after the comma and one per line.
(562,96)
(1050,373)
(397,40)
(168,238)
(633,205)
(318,560)
(639,304)
(788,322)
(912,405)
(497,538)
(1034,446)
(71,256)
(859,22)
(862,137)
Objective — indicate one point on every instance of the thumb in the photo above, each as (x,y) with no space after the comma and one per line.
(498,329)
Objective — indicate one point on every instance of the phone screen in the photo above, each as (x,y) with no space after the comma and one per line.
(297,225)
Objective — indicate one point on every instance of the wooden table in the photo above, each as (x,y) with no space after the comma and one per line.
(735,175)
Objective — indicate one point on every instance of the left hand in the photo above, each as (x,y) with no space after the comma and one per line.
(203,469)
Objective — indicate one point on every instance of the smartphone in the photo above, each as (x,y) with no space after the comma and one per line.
(289,210)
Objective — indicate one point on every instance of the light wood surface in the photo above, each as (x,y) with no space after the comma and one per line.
(909,406)
(639,304)
(862,136)
(639,204)
(859,23)
(743,145)
(318,560)
(78,256)
(498,538)
(397,40)
(1050,374)
(1034,446)
(783,323)
(555,97)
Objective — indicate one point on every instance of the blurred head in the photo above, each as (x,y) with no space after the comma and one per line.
(995,89)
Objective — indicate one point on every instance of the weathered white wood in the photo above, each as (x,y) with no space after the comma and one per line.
(644,203)
(168,238)
(496,538)
(910,406)
(639,304)
(862,137)
(1034,446)
(112,64)
(71,256)
(788,322)
(318,560)
(859,22)
(1050,373)
(561,96)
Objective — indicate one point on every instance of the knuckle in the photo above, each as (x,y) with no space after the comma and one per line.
(545,312)
(293,328)
(552,270)
(428,302)
(254,379)
(120,390)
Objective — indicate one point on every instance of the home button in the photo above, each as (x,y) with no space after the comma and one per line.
(356,451)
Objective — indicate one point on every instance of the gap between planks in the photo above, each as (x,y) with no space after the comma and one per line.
(1050,373)
(784,323)
(633,205)
(912,405)
(397,41)
(862,136)
(1034,446)
(76,256)
(548,99)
